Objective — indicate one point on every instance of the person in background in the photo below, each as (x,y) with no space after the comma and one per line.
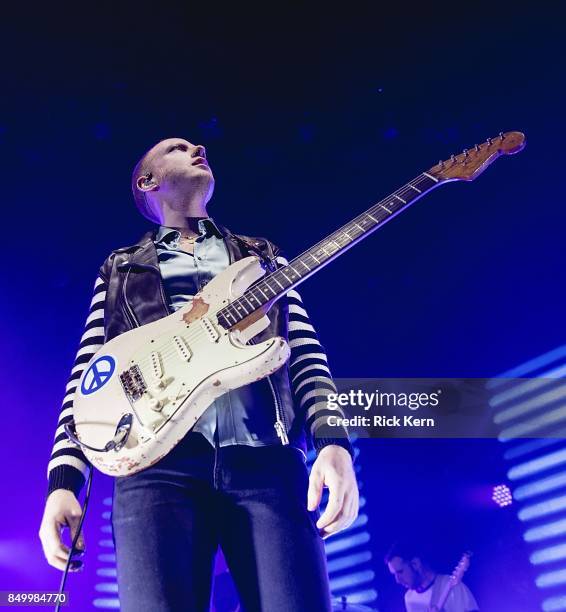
(425,587)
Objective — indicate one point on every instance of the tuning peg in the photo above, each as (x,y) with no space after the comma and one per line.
(453,158)
(466,153)
(441,163)
(477,147)
(501,135)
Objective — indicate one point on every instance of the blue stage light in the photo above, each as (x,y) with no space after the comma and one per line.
(554,603)
(538,487)
(549,506)
(530,407)
(546,531)
(548,555)
(551,579)
(109,603)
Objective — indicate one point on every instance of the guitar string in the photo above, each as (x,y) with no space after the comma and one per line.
(167,353)
(378,213)
(199,332)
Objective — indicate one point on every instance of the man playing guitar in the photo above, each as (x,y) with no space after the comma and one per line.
(428,591)
(238,479)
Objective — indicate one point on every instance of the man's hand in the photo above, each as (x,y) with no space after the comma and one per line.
(333,468)
(62,509)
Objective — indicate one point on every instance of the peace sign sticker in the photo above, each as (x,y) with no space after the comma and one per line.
(99,373)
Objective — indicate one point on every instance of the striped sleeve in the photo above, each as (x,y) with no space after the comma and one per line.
(311,379)
(68,466)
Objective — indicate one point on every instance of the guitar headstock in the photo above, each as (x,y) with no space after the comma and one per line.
(471,163)
(461,568)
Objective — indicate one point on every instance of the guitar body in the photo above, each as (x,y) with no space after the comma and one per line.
(166,373)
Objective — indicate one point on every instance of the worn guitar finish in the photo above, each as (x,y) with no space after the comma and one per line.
(145,389)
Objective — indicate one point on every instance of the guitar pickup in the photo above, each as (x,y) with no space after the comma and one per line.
(182,347)
(210,329)
(156,366)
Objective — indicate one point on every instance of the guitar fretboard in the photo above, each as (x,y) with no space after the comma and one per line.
(274,285)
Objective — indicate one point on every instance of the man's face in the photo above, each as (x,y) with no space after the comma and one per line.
(403,572)
(180,167)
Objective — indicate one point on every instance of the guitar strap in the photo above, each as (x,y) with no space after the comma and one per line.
(268,259)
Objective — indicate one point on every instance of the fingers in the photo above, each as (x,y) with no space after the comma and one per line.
(343,505)
(316,484)
(55,550)
(344,518)
(73,520)
(336,499)
(333,468)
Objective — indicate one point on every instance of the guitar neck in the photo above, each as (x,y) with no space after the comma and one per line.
(444,595)
(463,167)
(455,578)
(271,287)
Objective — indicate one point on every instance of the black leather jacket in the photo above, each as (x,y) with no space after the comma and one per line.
(135,296)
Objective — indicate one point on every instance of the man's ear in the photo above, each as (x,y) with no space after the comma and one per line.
(146,183)
(416,564)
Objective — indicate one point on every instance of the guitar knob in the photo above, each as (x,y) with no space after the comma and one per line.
(160,384)
(155,404)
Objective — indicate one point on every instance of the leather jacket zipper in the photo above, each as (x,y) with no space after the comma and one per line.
(280,424)
(127,308)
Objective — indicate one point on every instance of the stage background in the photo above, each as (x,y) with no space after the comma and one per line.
(309,115)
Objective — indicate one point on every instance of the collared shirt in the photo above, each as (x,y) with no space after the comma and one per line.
(228,419)
(185,274)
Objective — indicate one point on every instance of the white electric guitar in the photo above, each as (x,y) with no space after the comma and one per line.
(144,390)
(455,578)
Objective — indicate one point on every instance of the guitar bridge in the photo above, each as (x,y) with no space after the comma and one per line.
(133,383)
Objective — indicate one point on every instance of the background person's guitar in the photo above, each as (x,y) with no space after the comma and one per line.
(455,579)
(145,389)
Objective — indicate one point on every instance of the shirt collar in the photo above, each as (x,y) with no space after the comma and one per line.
(207,227)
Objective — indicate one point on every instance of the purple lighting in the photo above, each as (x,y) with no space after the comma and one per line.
(502,495)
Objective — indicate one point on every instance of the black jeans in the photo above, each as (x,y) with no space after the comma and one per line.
(169,519)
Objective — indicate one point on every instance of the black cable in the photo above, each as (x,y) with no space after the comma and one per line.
(77,563)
